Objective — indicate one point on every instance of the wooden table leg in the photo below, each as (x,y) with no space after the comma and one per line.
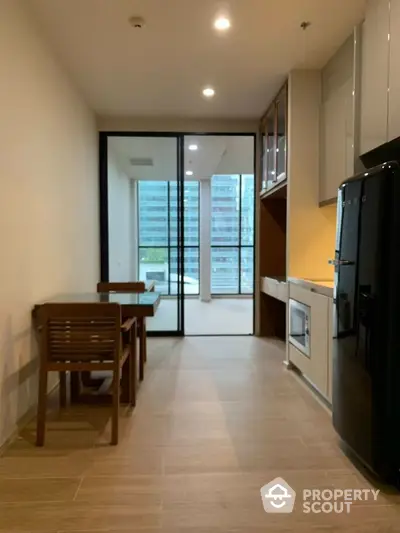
(63,389)
(125,383)
(75,386)
(133,367)
(128,372)
(144,340)
(143,347)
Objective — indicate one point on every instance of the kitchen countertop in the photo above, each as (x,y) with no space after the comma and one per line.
(324,287)
(278,279)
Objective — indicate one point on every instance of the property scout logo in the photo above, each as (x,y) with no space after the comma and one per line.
(279,497)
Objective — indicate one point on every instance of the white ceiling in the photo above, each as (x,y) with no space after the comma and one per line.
(215,155)
(160,70)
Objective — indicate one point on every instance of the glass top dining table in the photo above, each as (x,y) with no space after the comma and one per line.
(137,304)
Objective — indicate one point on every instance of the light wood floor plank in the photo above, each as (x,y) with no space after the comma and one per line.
(216,419)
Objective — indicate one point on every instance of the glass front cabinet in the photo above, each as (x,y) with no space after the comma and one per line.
(273,129)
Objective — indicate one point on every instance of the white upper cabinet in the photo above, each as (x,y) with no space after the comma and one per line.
(375,75)
(334,145)
(394,71)
(337,121)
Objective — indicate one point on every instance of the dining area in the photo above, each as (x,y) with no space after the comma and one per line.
(97,344)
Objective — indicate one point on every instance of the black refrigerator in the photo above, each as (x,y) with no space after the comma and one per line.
(366,350)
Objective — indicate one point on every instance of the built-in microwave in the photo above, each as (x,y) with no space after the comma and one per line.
(299,326)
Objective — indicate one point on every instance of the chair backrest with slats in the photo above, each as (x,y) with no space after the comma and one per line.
(116,286)
(81,332)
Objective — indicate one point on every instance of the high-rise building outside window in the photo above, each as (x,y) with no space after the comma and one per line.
(232,234)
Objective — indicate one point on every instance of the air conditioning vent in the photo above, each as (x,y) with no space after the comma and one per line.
(141,161)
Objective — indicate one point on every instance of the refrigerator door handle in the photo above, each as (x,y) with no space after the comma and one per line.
(340,262)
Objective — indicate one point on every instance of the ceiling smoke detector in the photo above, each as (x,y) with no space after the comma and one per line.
(137,22)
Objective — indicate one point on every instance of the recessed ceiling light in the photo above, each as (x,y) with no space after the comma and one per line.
(193,147)
(208,92)
(222,23)
(189,173)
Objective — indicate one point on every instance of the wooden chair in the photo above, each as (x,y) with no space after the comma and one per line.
(131,286)
(117,286)
(78,337)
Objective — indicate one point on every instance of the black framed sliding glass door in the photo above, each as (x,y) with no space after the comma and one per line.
(142,203)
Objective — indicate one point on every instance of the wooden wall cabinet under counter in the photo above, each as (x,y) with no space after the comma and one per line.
(272,261)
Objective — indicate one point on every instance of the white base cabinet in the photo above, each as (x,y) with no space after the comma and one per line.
(317,367)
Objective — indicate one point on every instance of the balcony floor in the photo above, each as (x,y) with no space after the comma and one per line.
(221,316)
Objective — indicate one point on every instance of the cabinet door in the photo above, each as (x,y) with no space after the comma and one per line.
(374,75)
(319,342)
(268,127)
(394,71)
(333,146)
(315,368)
(337,141)
(281,140)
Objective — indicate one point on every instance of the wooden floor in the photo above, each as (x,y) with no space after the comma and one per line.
(217,418)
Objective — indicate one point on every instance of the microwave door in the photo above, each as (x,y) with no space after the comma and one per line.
(299,327)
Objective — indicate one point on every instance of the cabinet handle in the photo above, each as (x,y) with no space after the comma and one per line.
(340,262)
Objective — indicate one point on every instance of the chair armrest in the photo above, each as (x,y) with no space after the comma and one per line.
(127,325)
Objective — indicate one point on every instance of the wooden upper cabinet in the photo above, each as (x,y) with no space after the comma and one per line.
(375,74)
(273,128)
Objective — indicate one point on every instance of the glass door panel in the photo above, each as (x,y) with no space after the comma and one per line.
(224,270)
(247,270)
(281,135)
(271,146)
(145,214)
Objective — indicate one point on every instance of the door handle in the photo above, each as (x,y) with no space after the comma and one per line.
(340,262)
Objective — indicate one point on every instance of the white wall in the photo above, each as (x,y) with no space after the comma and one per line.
(215,125)
(238,157)
(120,219)
(49,222)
